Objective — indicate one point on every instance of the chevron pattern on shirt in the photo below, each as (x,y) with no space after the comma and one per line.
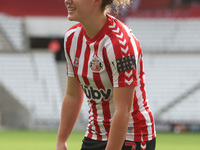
(127,62)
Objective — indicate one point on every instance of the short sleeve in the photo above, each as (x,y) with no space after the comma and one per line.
(123,64)
(69,66)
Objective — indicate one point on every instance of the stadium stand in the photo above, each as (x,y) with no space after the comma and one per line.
(32,79)
(166,9)
(169,34)
(33,8)
(4,43)
(12,113)
(13,31)
(173,81)
(154,4)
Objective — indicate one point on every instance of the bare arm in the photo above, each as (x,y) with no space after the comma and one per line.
(123,101)
(71,107)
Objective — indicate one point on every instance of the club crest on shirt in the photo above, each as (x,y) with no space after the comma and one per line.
(96,65)
(76,62)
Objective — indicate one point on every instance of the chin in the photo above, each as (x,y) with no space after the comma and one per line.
(70,18)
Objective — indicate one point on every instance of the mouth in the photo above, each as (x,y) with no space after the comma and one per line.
(71,9)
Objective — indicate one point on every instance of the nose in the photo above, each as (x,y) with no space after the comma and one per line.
(68,1)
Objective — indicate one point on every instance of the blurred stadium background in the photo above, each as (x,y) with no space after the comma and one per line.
(33,73)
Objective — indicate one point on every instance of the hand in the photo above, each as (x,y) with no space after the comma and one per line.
(61,146)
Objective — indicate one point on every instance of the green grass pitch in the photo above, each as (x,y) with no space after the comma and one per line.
(46,140)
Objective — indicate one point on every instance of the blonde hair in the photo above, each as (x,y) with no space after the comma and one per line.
(106,4)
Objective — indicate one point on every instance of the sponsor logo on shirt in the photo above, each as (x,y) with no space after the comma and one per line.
(96,94)
(96,65)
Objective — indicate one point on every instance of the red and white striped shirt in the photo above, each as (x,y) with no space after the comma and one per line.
(113,58)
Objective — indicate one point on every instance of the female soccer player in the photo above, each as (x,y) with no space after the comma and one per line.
(104,61)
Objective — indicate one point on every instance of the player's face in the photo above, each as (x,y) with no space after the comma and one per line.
(79,10)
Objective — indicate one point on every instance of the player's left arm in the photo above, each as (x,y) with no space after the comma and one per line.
(123,102)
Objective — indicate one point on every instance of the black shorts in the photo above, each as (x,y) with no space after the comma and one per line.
(89,144)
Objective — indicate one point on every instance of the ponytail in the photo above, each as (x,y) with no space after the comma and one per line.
(106,5)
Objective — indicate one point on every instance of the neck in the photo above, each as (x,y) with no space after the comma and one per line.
(93,25)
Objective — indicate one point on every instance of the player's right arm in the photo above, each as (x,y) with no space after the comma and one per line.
(71,107)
